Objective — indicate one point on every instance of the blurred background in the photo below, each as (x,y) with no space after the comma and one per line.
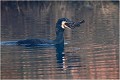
(93,47)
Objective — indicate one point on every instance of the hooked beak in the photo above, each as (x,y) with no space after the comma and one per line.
(67,25)
(71,25)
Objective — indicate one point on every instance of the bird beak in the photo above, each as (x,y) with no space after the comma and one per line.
(72,25)
(67,25)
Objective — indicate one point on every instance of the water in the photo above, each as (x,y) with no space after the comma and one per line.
(84,62)
(90,52)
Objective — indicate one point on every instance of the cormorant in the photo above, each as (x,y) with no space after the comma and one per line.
(61,24)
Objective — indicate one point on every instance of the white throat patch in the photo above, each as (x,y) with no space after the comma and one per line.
(63,25)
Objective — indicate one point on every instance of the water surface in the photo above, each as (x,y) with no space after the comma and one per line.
(91,52)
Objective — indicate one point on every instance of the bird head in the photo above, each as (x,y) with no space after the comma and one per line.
(63,23)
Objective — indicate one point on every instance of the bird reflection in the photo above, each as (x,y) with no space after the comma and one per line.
(60,55)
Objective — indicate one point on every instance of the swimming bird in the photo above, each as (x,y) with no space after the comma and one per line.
(61,24)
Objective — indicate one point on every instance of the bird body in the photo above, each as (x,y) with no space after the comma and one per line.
(34,42)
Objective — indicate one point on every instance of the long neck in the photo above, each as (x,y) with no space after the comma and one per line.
(59,47)
(59,37)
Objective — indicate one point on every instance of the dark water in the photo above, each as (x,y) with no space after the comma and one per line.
(92,50)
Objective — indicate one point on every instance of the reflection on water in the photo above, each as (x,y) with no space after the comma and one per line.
(91,61)
(92,51)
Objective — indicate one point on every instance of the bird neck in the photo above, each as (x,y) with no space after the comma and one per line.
(59,37)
